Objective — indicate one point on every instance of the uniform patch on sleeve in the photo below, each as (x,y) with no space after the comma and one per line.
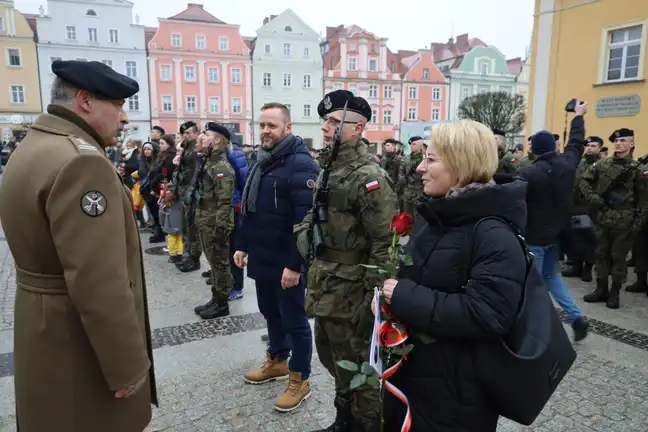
(645,173)
(372,185)
(220,175)
(93,203)
(310,183)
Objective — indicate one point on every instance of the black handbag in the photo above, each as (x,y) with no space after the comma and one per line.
(521,371)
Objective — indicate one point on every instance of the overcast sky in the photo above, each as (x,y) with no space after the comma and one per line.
(409,24)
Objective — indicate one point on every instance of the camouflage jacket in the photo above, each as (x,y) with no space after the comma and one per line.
(623,207)
(525,161)
(507,163)
(580,206)
(183,176)
(391,164)
(410,184)
(215,210)
(360,209)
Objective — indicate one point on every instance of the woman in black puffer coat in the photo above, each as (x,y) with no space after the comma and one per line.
(463,288)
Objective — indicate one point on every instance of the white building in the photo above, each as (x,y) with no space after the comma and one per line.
(96,30)
(287,68)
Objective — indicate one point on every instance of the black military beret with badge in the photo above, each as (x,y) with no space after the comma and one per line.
(592,139)
(159,129)
(414,138)
(218,128)
(186,125)
(621,133)
(335,101)
(96,78)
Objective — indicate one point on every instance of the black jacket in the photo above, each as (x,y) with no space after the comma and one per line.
(460,302)
(551,180)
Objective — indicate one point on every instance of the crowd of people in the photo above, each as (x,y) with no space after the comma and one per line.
(305,225)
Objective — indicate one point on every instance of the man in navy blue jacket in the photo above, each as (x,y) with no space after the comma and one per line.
(278,194)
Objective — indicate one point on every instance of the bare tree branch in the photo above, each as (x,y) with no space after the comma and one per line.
(497,110)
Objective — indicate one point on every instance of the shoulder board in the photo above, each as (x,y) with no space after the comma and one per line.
(82,145)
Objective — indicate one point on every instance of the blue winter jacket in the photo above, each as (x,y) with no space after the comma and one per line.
(285,196)
(238,161)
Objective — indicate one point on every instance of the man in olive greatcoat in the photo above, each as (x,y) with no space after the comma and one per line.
(82,350)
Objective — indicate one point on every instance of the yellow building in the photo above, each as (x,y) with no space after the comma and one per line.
(593,50)
(20,95)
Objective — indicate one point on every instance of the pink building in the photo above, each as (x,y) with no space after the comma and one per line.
(200,69)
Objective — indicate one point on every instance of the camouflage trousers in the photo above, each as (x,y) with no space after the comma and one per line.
(335,340)
(217,251)
(640,251)
(612,252)
(190,235)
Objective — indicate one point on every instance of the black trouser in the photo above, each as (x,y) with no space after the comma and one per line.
(154,210)
(237,273)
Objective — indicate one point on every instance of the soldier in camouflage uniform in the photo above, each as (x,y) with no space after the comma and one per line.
(215,216)
(391,162)
(410,186)
(360,208)
(506,160)
(183,179)
(582,266)
(616,189)
(640,254)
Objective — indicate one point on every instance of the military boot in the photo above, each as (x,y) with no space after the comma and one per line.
(600,294)
(209,304)
(573,270)
(613,297)
(641,285)
(206,274)
(343,422)
(272,369)
(586,274)
(189,265)
(217,310)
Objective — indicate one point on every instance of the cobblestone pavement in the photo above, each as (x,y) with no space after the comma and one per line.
(199,365)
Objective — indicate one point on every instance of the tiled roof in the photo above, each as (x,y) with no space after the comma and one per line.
(250,42)
(196,12)
(31,20)
(149,34)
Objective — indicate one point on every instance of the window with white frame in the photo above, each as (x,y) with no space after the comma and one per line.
(412,113)
(191,104)
(387,92)
(338,86)
(307,110)
(70,33)
(200,42)
(92,35)
(436,94)
(53,59)
(352,46)
(624,53)
(236,105)
(466,91)
(17,94)
(131,69)
(236,76)
(352,64)
(373,90)
(133,103)
(353,88)
(484,67)
(267,79)
(167,103)
(287,49)
(436,114)
(412,93)
(374,117)
(13,57)
(287,80)
(306,52)
(223,44)
(165,72)
(426,73)
(267,49)
(190,73)
(373,65)
(114,36)
(176,40)
(308,81)
(214,105)
(212,74)
(387,117)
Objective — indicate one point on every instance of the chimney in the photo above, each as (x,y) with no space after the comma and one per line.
(450,41)
(194,6)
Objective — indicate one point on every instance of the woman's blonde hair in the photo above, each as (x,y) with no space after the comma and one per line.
(468,149)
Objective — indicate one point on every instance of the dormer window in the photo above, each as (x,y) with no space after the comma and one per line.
(91,13)
(288,28)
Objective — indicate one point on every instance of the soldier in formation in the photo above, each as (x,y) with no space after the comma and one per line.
(361,205)
(506,159)
(410,184)
(215,215)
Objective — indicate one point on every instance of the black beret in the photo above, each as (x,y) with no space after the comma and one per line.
(414,138)
(95,77)
(529,139)
(604,149)
(218,128)
(186,125)
(621,133)
(556,137)
(594,139)
(518,147)
(159,129)
(335,101)
(499,132)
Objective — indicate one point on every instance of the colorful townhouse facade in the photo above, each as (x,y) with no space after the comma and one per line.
(20,98)
(200,70)
(609,71)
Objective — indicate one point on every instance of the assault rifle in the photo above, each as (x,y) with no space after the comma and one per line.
(610,196)
(316,240)
(192,200)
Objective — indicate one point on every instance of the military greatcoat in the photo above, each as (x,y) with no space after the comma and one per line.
(81,320)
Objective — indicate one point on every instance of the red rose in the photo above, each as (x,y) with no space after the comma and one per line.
(165,171)
(237,209)
(403,224)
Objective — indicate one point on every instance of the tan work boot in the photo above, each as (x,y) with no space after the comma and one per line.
(272,369)
(297,391)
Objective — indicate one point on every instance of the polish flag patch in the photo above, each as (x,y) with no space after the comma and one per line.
(220,175)
(372,185)
(645,173)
